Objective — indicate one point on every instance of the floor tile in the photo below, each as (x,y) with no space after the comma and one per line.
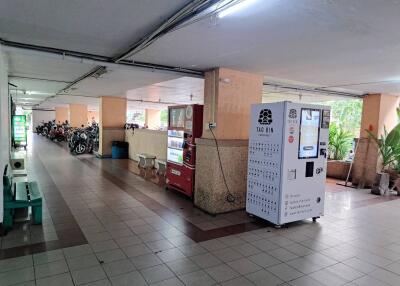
(145,261)
(103,245)
(170,255)
(240,281)
(182,266)
(128,279)
(127,241)
(136,250)
(16,263)
(368,281)
(213,244)
(110,255)
(104,282)
(156,273)
(394,267)
(386,277)
(264,260)
(328,278)
(50,269)
(263,277)
(282,254)
(247,249)
(57,280)
(244,266)
(206,260)
(345,271)
(87,275)
(160,245)
(198,278)
(192,250)
(360,265)
(305,281)
(227,254)
(119,267)
(222,273)
(303,265)
(76,251)
(285,272)
(48,256)
(80,262)
(169,282)
(17,276)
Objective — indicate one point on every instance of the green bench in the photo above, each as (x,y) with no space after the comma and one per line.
(20,195)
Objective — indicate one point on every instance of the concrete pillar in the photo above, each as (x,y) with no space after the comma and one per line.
(77,115)
(228,95)
(112,118)
(62,114)
(152,118)
(379,111)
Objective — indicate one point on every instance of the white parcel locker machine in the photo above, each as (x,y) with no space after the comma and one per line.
(287,161)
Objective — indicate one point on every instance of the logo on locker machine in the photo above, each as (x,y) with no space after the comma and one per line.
(265,117)
(293,113)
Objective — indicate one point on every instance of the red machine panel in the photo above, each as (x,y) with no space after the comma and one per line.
(185,124)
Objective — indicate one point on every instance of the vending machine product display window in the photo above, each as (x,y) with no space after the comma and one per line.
(19,136)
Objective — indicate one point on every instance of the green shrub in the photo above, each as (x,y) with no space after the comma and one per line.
(340,142)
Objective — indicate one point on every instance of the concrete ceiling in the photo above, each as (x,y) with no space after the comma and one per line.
(328,43)
(349,44)
(100,27)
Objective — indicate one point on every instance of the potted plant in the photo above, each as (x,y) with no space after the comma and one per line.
(340,143)
(389,149)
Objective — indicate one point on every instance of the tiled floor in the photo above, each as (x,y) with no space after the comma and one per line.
(115,228)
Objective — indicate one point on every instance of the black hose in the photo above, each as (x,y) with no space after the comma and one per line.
(230,198)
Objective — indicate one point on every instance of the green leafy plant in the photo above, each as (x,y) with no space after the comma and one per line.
(385,147)
(339,142)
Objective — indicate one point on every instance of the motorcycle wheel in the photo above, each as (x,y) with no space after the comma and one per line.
(80,149)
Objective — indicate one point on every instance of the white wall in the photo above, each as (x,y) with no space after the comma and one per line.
(38,116)
(148,141)
(4,122)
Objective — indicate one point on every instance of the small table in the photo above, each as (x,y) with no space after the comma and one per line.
(146,161)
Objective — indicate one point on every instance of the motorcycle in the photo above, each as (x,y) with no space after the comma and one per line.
(78,142)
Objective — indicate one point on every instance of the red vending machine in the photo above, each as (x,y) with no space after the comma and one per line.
(185,124)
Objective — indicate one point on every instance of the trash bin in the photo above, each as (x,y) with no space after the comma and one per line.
(120,150)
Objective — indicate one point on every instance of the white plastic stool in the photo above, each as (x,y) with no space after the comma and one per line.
(146,161)
(161,167)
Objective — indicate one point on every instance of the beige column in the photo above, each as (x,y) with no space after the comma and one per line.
(379,111)
(152,118)
(62,114)
(228,95)
(77,115)
(92,115)
(112,118)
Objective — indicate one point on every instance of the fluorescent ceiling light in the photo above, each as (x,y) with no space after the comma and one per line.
(234,7)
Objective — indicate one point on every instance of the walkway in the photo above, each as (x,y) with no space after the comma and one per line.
(103,225)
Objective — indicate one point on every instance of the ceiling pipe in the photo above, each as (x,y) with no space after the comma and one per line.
(89,59)
(319,90)
(186,13)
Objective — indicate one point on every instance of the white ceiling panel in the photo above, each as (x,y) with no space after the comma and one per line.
(35,65)
(117,81)
(318,42)
(184,90)
(101,27)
